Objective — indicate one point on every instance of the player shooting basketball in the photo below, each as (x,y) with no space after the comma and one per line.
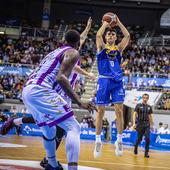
(110,82)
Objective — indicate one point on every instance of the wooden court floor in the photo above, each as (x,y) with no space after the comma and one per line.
(34,151)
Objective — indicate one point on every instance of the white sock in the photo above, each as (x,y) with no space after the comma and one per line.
(98,138)
(18,121)
(72,143)
(119,137)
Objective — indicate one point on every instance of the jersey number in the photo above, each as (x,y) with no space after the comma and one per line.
(112,63)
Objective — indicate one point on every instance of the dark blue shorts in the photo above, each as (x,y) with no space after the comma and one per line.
(109,91)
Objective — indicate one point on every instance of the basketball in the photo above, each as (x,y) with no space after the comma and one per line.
(110,18)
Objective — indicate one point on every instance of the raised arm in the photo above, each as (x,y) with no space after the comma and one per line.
(83,35)
(81,71)
(123,44)
(99,36)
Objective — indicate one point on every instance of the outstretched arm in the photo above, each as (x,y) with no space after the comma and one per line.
(99,36)
(81,71)
(123,44)
(83,35)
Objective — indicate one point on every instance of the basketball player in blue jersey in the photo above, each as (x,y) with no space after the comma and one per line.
(110,84)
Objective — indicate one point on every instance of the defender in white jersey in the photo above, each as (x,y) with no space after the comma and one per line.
(49,108)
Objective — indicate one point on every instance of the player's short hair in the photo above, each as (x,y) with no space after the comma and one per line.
(145,94)
(160,123)
(72,36)
(110,30)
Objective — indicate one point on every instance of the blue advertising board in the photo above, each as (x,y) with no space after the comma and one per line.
(89,133)
(31,130)
(165,82)
(162,141)
(129,137)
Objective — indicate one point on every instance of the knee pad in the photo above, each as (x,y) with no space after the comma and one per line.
(48,139)
(49,134)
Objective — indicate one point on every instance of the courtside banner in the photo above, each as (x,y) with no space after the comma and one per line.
(162,141)
(89,133)
(31,130)
(129,137)
(133,97)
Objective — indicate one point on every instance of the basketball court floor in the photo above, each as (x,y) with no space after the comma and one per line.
(25,153)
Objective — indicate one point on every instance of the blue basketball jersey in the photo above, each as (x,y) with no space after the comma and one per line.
(109,60)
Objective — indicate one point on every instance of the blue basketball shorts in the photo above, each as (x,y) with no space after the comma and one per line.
(109,91)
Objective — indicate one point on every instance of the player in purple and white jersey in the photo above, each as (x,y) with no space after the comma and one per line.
(59,134)
(48,107)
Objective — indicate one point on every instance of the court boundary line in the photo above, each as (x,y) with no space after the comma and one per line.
(96,162)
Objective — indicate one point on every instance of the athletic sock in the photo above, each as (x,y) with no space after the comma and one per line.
(98,138)
(119,137)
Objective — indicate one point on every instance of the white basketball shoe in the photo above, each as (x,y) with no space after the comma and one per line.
(97,150)
(119,148)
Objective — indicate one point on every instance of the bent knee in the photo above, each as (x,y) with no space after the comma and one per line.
(49,132)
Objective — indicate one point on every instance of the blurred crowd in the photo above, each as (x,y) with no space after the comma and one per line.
(11,86)
(30,51)
(162,129)
(164,103)
(149,60)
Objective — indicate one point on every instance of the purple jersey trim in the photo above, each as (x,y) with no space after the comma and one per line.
(52,67)
(73,78)
(74,75)
(55,122)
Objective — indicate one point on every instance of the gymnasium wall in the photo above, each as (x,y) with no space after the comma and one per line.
(130,16)
(32,11)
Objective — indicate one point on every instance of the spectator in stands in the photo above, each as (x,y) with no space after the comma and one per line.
(90,122)
(141,59)
(84,124)
(105,128)
(3,117)
(86,118)
(93,98)
(164,103)
(167,104)
(161,128)
(166,130)
(129,127)
(24,111)
(79,88)
(14,111)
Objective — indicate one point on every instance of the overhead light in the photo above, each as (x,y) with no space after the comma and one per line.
(2,32)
